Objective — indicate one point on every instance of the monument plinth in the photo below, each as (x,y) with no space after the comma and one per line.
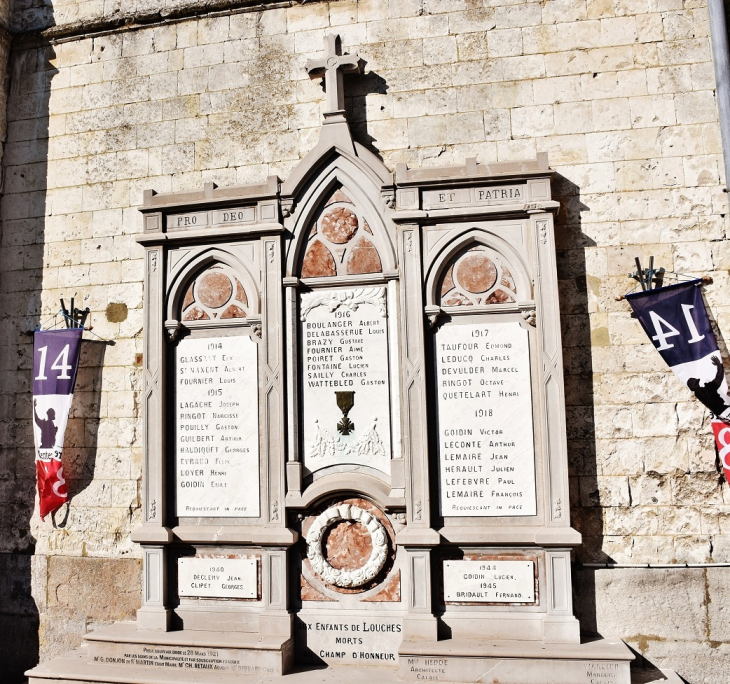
(354,430)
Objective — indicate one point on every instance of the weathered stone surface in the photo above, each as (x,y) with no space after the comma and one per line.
(364,258)
(718,587)
(339,225)
(695,662)
(318,261)
(93,589)
(348,545)
(667,605)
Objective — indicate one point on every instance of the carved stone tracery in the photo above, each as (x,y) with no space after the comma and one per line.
(216,293)
(340,241)
(477,277)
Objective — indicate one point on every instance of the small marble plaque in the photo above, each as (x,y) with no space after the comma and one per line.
(345,378)
(525,670)
(218,577)
(236,215)
(464,197)
(217,427)
(484,420)
(191,221)
(347,639)
(440,199)
(489,581)
(499,194)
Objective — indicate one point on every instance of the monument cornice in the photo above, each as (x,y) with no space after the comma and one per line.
(235,534)
(467,213)
(514,536)
(352,482)
(472,171)
(210,235)
(210,194)
(151,534)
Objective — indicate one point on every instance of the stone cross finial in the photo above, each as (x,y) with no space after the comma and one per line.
(332,67)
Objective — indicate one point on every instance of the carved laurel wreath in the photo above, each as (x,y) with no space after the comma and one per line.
(347,299)
(347,578)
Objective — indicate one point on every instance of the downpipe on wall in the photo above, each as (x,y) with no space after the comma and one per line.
(721,60)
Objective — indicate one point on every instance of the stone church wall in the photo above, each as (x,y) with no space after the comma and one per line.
(619,93)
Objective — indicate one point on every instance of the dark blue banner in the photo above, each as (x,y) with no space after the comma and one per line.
(676,321)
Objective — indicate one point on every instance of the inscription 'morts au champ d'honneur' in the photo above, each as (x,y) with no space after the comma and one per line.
(345,378)
(218,577)
(490,581)
(217,427)
(485,435)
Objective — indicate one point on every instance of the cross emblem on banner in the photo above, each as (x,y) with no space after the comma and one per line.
(332,67)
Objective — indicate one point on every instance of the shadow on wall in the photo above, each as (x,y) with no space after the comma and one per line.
(79,457)
(577,289)
(359,87)
(575,286)
(23,208)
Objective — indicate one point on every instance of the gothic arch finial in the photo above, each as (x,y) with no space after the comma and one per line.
(339,226)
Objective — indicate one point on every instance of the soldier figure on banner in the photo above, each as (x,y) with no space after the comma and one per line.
(55,365)
(676,320)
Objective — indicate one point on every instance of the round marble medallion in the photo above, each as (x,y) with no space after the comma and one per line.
(343,577)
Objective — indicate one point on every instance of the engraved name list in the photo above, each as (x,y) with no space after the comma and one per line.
(217,442)
(345,378)
(485,436)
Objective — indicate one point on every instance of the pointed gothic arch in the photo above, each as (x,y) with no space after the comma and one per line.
(188,283)
(477,268)
(359,234)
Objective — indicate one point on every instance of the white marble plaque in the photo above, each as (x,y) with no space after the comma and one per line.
(347,639)
(485,435)
(345,370)
(491,581)
(217,427)
(218,577)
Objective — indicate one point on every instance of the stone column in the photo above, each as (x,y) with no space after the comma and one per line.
(417,537)
(559,625)
(273,376)
(552,399)
(154,615)
(276,619)
(153,533)
(293,462)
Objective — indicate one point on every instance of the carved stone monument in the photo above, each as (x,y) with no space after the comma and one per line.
(354,428)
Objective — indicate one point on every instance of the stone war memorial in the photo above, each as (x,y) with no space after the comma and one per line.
(354,427)
(359,398)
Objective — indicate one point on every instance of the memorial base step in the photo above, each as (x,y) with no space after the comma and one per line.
(601,661)
(76,668)
(121,654)
(126,650)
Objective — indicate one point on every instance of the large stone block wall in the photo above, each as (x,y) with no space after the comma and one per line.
(619,93)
